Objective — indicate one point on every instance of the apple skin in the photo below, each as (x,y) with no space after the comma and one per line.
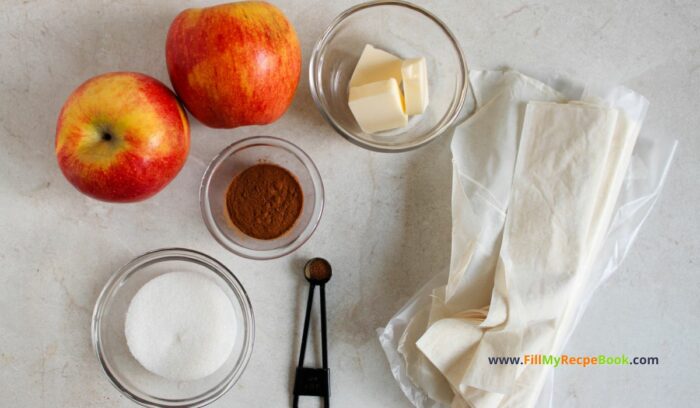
(234,64)
(121,137)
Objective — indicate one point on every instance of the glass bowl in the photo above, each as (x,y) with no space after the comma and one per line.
(240,156)
(109,341)
(407,31)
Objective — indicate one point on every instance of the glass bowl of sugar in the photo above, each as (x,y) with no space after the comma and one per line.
(173,328)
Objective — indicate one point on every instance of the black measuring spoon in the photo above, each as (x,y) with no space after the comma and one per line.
(314,381)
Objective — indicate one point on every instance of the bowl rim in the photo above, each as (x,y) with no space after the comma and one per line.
(115,282)
(315,87)
(308,230)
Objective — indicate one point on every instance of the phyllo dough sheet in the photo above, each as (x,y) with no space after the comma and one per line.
(566,160)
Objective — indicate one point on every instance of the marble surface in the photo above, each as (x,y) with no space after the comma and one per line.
(386,227)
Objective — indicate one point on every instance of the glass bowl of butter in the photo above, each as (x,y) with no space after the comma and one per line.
(388,76)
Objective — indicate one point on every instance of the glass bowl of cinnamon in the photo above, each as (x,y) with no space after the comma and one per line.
(261,197)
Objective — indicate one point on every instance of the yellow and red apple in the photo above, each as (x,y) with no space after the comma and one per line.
(234,64)
(121,137)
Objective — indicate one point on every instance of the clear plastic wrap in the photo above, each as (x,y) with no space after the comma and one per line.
(486,184)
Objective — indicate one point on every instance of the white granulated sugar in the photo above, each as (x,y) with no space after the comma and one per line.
(181,326)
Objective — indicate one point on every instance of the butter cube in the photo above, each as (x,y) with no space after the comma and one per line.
(378,106)
(375,65)
(414,73)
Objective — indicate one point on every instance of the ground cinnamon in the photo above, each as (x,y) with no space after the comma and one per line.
(264,201)
(319,270)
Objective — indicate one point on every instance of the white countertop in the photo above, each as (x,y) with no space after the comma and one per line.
(386,226)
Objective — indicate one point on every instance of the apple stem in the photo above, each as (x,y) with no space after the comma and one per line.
(106,136)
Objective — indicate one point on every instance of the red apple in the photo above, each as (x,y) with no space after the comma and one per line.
(121,137)
(234,64)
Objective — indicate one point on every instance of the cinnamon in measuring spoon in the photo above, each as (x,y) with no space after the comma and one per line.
(264,201)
